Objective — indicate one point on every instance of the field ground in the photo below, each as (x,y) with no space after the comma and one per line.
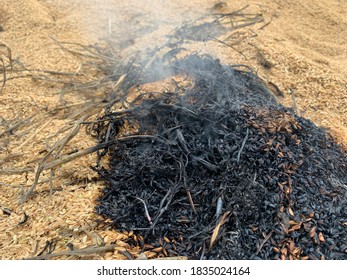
(303,50)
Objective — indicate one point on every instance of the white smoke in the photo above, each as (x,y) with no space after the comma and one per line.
(134,28)
(126,17)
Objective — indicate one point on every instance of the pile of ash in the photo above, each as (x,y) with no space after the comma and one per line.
(219,170)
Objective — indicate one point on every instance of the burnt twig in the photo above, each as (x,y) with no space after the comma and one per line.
(242,146)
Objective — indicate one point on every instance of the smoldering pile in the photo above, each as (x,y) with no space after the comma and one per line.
(217,169)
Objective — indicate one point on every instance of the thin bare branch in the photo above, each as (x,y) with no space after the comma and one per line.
(79,252)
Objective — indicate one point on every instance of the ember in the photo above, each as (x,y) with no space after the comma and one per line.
(219,170)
